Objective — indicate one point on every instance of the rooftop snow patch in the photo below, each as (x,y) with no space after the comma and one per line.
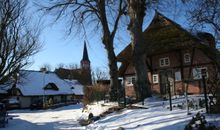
(32,83)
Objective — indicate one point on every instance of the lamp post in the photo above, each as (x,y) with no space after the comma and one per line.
(186,97)
(168,85)
(13,89)
(44,73)
(73,98)
(203,71)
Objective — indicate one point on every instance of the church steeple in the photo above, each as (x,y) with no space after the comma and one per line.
(85,53)
(85,62)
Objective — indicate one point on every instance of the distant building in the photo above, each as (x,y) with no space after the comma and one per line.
(172,54)
(40,85)
(83,74)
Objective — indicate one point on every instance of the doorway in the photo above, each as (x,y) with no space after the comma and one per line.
(166,75)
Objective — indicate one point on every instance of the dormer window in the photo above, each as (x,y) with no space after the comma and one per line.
(51,86)
(187,58)
(164,61)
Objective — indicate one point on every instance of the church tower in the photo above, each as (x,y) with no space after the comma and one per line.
(85,67)
(85,62)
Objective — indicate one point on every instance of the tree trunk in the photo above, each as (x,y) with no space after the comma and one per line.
(142,82)
(113,70)
(136,11)
(114,94)
(142,85)
(107,40)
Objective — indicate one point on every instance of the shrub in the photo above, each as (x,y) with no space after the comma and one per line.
(198,122)
(94,93)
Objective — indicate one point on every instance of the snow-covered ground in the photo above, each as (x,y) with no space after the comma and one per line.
(53,119)
(156,117)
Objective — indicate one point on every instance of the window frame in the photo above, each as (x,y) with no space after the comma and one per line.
(189,58)
(180,79)
(163,61)
(130,80)
(157,78)
(198,76)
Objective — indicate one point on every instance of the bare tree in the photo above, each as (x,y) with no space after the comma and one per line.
(17,41)
(60,65)
(73,66)
(136,12)
(98,74)
(102,12)
(46,67)
(205,12)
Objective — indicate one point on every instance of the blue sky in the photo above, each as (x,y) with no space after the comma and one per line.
(60,48)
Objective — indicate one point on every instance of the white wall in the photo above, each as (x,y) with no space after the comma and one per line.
(57,99)
(25,101)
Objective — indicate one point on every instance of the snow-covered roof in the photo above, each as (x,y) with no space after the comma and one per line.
(76,86)
(4,88)
(32,83)
(2,91)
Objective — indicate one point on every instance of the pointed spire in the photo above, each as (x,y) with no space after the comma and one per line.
(85,53)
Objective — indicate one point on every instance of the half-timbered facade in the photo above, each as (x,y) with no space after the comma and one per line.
(174,56)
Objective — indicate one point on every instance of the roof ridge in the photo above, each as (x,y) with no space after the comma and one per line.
(37,71)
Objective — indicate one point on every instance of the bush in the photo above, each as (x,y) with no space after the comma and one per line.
(217,105)
(198,122)
(94,93)
(213,84)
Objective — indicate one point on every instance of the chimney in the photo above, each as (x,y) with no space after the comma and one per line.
(208,38)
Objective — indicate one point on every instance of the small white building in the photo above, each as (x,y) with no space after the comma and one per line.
(35,85)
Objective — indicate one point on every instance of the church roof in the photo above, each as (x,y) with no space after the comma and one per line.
(85,53)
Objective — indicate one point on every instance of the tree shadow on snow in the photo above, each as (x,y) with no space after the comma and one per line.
(19,124)
(151,119)
(165,124)
(67,107)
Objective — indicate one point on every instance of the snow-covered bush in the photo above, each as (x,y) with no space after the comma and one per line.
(198,122)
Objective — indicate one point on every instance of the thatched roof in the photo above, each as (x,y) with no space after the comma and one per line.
(164,35)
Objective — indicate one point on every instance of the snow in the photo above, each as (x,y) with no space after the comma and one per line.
(63,118)
(13,100)
(77,87)
(31,83)
(51,119)
(4,88)
(156,117)
(98,108)
(2,91)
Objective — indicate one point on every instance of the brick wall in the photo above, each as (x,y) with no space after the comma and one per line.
(175,58)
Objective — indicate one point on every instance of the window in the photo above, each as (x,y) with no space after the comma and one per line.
(155,78)
(164,61)
(133,80)
(177,76)
(197,72)
(187,58)
(130,80)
